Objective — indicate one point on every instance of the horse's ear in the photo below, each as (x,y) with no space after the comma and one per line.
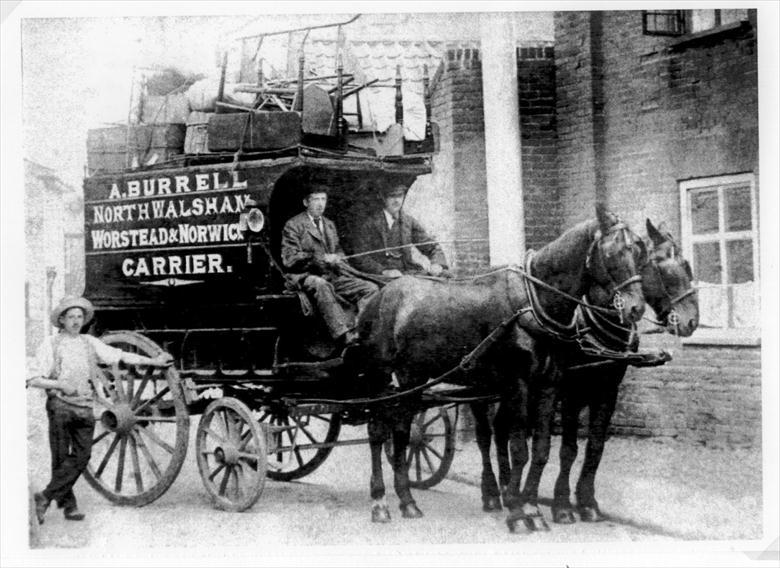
(654,234)
(605,218)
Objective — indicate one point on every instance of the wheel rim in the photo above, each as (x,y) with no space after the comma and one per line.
(298,444)
(431,448)
(141,431)
(231,454)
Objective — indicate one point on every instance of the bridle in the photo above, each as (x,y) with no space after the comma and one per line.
(613,289)
(671,316)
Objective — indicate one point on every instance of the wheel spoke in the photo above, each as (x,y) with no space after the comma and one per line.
(216,472)
(156,439)
(155,398)
(213,434)
(418,465)
(157,418)
(130,383)
(147,454)
(139,484)
(298,456)
(107,457)
(142,387)
(424,452)
(434,451)
(120,469)
(101,436)
(305,432)
(436,417)
(118,386)
(225,479)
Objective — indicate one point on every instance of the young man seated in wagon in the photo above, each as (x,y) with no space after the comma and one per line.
(385,242)
(312,253)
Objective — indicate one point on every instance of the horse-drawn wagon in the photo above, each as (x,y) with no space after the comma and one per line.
(184,256)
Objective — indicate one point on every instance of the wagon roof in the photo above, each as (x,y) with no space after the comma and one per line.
(417,164)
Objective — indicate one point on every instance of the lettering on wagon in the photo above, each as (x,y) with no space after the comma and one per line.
(184,234)
(170,185)
(168,209)
(174,265)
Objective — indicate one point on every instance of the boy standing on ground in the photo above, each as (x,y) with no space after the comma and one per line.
(65,365)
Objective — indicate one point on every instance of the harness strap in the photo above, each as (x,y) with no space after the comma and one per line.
(467,363)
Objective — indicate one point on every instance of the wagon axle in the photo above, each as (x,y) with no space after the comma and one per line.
(120,418)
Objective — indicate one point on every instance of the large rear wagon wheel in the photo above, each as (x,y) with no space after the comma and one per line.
(142,429)
(299,444)
(231,452)
(431,448)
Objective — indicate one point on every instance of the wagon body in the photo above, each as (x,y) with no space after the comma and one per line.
(167,256)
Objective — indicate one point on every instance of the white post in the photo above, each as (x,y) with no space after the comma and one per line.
(506,219)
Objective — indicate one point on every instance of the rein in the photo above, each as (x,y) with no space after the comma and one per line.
(467,363)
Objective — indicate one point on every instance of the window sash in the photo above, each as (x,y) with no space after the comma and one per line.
(723,294)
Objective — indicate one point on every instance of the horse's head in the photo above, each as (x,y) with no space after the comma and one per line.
(666,280)
(613,263)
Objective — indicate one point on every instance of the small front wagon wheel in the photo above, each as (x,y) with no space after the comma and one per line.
(231,454)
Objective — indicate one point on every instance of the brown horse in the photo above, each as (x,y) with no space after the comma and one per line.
(422,328)
(666,281)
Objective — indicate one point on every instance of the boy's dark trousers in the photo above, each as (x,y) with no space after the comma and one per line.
(70,439)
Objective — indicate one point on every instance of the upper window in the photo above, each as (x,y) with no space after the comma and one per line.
(720,237)
(680,22)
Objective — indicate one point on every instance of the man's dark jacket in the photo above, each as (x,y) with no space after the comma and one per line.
(373,235)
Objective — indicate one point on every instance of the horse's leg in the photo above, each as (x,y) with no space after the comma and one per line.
(501,426)
(515,408)
(562,509)
(490,494)
(402,425)
(377,434)
(601,410)
(543,408)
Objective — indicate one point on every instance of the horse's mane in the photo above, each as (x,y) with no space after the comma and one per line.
(572,238)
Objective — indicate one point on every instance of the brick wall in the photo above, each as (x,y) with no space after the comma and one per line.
(637,114)
(707,395)
(459,110)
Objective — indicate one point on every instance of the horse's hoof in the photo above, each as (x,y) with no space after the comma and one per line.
(380,514)
(512,519)
(491,504)
(411,511)
(591,514)
(563,515)
(535,523)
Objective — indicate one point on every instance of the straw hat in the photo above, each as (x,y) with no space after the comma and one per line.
(69,302)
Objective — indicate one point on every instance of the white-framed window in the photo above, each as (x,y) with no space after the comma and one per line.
(720,238)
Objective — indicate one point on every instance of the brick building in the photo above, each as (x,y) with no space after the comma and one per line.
(656,113)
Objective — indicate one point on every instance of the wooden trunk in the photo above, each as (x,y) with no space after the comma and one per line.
(253,131)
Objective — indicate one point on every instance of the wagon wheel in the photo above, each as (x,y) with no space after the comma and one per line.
(231,452)
(142,429)
(299,444)
(431,448)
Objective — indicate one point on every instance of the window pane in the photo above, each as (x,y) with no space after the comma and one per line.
(704,212)
(706,262)
(744,307)
(740,255)
(738,215)
(702,20)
